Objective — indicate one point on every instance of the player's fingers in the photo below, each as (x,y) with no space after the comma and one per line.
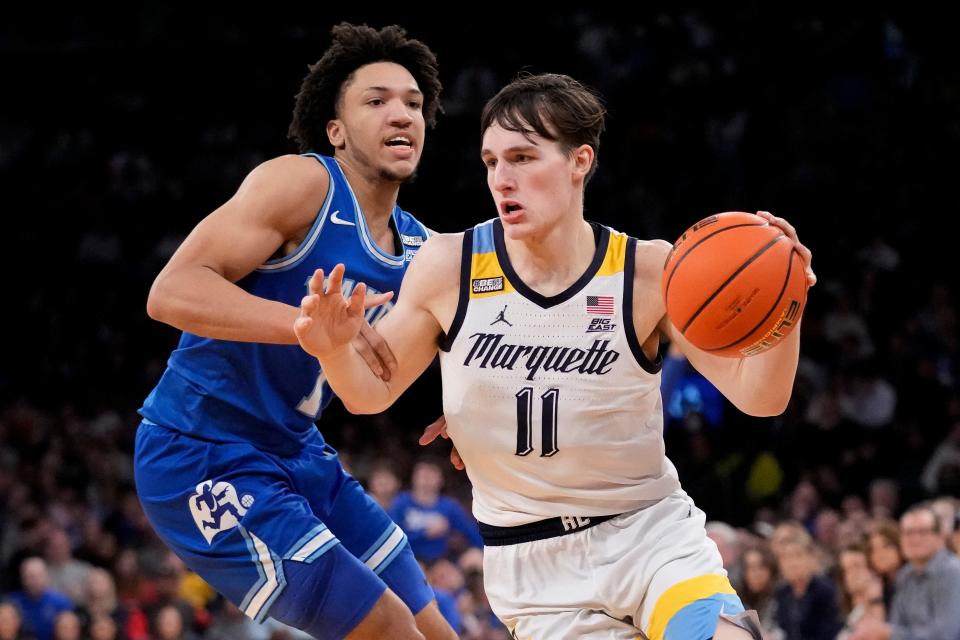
(380,347)
(456,460)
(376,299)
(309,304)
(316,282)
(433,430)
(335,282)
(369,356)
(356,300)
(301,326)
(784,226)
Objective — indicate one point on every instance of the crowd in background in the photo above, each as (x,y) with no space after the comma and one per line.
(119,132)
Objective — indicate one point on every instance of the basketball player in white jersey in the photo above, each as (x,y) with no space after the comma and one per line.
(548,329)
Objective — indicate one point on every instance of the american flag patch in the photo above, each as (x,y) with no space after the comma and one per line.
(600,305)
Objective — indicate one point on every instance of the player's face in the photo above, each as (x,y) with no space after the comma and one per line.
(380,125)
(533,182)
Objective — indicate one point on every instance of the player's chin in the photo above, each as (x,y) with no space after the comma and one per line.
(518,229)
(401,172)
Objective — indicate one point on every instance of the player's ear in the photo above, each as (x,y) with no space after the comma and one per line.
(335,133)
(582,160)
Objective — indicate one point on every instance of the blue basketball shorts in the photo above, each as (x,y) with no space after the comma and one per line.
(292,537)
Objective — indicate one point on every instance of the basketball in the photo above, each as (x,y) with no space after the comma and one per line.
(734,285)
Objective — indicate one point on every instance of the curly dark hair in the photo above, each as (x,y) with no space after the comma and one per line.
(354,46)
(552,105)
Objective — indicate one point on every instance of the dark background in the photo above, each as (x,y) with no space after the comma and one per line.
(120,130)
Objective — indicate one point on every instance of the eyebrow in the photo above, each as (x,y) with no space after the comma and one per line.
(515,149)
(388,89)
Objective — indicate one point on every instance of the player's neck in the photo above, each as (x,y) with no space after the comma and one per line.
(376,196)
(551,262)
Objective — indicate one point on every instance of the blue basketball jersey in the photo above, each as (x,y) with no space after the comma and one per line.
(265,394)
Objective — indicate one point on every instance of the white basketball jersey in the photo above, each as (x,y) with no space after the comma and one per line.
(551,401)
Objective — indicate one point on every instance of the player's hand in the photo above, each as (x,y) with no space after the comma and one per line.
(805,254)
(375,351)
(439,428)
(328,321)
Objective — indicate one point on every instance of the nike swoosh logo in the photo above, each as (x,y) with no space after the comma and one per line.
(335,220)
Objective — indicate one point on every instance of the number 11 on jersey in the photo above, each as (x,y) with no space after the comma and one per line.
(548,422)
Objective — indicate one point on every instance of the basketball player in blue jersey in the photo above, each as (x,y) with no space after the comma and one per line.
(230,468)
(548,329)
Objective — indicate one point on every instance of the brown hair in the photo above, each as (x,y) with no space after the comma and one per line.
(551,105)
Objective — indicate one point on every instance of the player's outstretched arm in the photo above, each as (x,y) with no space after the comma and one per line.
(760,385)
(411,330)
(195,291)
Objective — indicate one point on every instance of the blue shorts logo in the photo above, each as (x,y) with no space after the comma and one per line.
(216,508)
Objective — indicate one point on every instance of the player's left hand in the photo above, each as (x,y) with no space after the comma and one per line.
(328,321)
(439,428)
(805,254)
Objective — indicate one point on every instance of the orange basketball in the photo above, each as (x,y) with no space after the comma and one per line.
(734,285)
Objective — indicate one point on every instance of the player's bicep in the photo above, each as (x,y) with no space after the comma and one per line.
(276,200)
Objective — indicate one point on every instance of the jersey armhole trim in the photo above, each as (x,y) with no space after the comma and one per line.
(466,261)
(293,259)
(629,267)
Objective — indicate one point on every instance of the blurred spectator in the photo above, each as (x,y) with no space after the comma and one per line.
(67,574)
(231,624)
(66,626)
(884,498)
(806,602)
(169,624)
(942,472)
(38,604)
(428,518)
(383,485)
(167,596)
(826,529)
(756,590)
(885,557)
(103,627)
(786,532)
(925,602)
(728,544)
(34,529)
(100,600)
(11,623)
(861,590)
(868,400)
(804,503)
(946,509)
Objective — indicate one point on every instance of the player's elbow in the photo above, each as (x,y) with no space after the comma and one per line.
(163,304)
(158,306)
(765,407)
(364,408)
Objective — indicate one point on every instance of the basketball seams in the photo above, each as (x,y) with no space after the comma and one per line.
(730,279)
(773,307)
(666,289)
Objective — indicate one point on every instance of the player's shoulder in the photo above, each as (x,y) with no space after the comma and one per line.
(440,251)
(291,172)
(288,190)
(649,258)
